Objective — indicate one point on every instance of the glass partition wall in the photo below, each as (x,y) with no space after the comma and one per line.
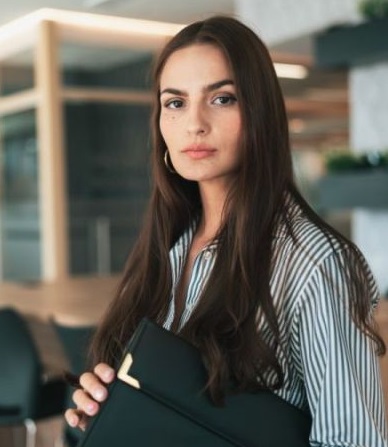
(106,126)
(74,141)
(20,227)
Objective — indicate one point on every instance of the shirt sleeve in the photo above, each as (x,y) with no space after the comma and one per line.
(338,364)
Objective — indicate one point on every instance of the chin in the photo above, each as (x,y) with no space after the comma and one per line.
(191,175)
(191,178)
(201,176)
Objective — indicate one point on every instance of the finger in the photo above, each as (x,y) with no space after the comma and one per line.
(72,418)
(93,386)
(104,372)
(75,418)
(85,403)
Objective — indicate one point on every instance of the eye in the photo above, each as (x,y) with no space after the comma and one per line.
(173,104)
(223,100)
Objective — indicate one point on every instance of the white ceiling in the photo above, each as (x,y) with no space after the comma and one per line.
(177,11)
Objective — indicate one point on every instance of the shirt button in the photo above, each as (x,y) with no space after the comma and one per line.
(207,255)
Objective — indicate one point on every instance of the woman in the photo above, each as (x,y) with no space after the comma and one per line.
(234,259)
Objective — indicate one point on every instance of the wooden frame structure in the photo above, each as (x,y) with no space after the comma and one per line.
(43,32)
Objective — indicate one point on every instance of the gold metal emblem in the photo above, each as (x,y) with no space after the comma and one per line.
(124,370)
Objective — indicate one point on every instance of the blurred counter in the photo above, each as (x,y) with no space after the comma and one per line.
(76,301)
(81,299)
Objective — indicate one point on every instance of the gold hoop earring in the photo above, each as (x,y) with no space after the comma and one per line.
(168,163)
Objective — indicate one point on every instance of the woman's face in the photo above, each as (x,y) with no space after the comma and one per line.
(200,118)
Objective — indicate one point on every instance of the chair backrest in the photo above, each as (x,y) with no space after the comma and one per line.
(20,370)
(75,341)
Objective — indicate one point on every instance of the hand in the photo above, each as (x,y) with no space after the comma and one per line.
(93,390)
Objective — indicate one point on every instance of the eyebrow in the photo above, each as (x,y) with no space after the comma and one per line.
(207,88)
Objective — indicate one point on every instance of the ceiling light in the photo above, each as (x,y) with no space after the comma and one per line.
(87,20)
(291,71)
(111,23)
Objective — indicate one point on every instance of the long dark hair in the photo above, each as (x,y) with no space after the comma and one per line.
(223,324)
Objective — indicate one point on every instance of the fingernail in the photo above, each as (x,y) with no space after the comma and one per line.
(73,421)
(91,408)
(99,394)
(109,374)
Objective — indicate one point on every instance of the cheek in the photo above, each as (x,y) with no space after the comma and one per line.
(167,121)
(167,128)
(163,126)
(170,117)
(233,127)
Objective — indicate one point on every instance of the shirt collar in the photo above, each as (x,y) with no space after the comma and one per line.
(184,241)
(294,212)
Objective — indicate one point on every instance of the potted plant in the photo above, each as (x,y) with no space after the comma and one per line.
(374,9)
(354,180)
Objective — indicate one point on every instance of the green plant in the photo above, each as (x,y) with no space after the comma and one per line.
(348,161)
(374,9)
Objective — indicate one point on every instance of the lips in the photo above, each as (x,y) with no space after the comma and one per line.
(199,151)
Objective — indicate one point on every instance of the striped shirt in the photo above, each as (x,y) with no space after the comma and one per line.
(330,367)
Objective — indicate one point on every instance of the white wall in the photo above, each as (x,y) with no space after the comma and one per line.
(368,88)
(279,20)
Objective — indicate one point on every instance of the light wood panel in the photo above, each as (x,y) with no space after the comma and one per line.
(82,300)
(18,102)
(116,96)
(52,172)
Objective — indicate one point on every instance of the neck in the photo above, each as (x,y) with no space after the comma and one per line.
(213,201)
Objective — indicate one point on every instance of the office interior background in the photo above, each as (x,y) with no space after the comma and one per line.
(74,123)
(85,219)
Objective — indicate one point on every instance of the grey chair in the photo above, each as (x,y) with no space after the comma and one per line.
(75,340)
(25,396)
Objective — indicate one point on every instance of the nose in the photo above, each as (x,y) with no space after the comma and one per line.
(197,120)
